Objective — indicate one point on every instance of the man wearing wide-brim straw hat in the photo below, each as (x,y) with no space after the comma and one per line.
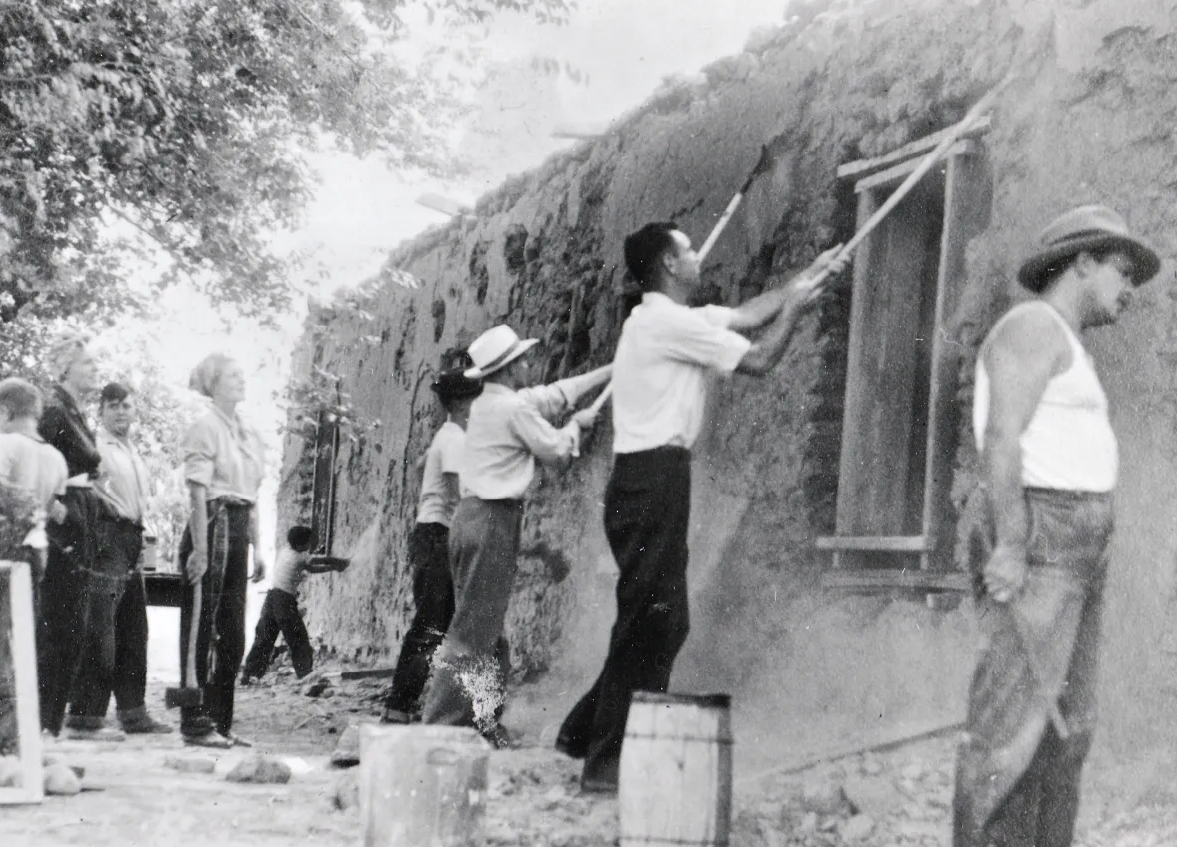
(511,426)
(1048,462)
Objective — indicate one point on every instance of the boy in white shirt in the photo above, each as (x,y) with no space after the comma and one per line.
(280,612)
(32,475)
(433,586)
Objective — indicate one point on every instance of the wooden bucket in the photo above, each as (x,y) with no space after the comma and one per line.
(422,786)
(675,780)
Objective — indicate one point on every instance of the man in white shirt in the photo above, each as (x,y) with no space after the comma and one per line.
(433,586)
(117,662)
(510,428)
(1040,535)
(664,356)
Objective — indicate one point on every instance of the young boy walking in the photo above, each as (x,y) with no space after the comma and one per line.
(280,610)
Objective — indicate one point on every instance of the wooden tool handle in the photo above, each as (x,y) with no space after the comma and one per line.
(193,630)
(979,108)
(602,399)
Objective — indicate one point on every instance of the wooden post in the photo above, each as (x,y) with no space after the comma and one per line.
(24,665)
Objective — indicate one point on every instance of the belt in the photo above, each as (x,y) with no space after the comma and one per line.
(236,502)
(130,523)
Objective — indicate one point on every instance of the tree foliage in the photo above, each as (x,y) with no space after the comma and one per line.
(189,122)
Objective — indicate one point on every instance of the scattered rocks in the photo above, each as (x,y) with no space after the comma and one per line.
(61,781)
(857,828)
(190,764)
(823,797)
(260,769)
(876,796)
(347,791)
(316,685)
(347,752)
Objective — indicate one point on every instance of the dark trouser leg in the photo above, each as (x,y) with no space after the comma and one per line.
(118,545)
(130,658)
(1017,780)
(61,628)
(484,544)
(647,516)
(433,597)
(1043,806)
(223,612)
(265,634)
(289,621)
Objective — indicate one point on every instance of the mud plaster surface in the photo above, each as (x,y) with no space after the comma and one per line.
(1088,117)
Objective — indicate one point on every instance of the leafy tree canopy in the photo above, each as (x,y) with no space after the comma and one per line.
(187,123)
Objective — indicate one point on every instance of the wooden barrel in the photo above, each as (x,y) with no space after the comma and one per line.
(422,786)
(675,782)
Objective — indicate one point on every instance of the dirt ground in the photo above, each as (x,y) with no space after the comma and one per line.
(886,798)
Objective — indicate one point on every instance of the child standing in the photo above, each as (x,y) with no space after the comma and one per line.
(280,610)
(433,586)
(32,475)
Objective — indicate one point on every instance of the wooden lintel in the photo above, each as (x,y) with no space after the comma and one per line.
(898,172)
(861,167)
(877,543)
(907,579)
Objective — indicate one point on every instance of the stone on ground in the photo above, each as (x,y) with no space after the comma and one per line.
(874,796)
(261,769)
(191,764)
(823,797)
(857,828)
(347,752)
(347,791)
(61,780)
(316,685)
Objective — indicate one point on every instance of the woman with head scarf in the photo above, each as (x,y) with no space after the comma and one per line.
(223,469)
(73,578)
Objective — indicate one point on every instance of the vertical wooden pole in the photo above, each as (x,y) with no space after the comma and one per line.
(24,664)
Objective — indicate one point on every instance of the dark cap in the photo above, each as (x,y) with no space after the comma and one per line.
(454,385)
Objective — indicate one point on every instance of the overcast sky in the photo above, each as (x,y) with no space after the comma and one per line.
(626,47)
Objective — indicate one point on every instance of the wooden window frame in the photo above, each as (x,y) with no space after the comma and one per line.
(932,545)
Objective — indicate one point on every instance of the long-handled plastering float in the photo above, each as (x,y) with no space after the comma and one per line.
(765,162)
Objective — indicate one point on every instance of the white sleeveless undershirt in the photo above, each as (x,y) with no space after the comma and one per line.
(1069,444)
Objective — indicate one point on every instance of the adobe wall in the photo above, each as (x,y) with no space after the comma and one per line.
(1088,117)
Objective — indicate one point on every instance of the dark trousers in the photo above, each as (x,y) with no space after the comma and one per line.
(65,602)
(647,517)
(470,668)
(118,545)
(433,597)
(279,615)
(220,638)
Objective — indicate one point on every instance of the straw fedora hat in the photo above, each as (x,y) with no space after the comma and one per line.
(1086,228)
(495,349)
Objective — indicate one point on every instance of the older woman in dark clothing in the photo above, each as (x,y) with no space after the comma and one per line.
(223,469)
(71,577)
